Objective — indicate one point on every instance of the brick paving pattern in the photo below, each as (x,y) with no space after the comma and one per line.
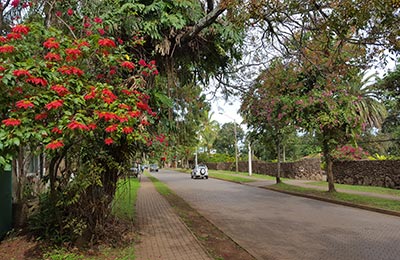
(272,225)
(162,234)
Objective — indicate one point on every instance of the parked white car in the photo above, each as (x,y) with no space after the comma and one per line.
(199,171)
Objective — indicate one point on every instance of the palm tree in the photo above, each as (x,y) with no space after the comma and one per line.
(372,111)
(209,131)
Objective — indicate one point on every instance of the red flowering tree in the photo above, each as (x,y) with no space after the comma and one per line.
(74,97)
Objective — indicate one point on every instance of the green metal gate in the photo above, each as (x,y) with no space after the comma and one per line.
(5,202)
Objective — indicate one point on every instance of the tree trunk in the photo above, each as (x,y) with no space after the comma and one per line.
(329,172)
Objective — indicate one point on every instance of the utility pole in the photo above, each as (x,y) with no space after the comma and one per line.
(250,162)
(236,148)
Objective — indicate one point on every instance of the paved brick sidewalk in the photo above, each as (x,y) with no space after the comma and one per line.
(163,235)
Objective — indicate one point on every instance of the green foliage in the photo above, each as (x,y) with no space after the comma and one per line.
(61,254)
(342,196)
(125,198)
(218,157)
(226,139)
(44,224)
(381,157)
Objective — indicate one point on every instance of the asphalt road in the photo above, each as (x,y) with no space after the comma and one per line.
(272,225)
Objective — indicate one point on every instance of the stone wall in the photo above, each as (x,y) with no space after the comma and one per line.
(373,173)
(307,169)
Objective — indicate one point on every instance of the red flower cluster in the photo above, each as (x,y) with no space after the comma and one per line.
(127,64)
(92,126)
(11,122)
(107,116)
(124,106)
(126,92)
(52,56)
(111,128)
(83,44)
(134,114)
(123,119)
(21,72)
(350,153)
(15,3)
(97,20)
(145,107)
(55,144)
(144,122)
(77,125)
(14,36)
(41,116)
(161,138)
(54,104)
(91,95)
(20,28)
(56,130)
(37,81)
(24,104)
(61,90)
(70,70)
(72,54)
(127,130)
(6,48)
(101,31)
(108,96)
(105,42)
(51,43)
(108,141)
(150,66)
(70,12)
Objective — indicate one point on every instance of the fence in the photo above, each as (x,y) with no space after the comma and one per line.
(307,169)
(374,173)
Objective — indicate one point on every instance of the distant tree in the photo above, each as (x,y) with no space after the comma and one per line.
(225,141)
(209,131)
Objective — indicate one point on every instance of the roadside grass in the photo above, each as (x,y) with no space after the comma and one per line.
(123,207)
(362,188)
(160,187)
(374,202)
(240,176)
(235,177)
(125,197)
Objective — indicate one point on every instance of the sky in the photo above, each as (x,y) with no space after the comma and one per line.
(226,111)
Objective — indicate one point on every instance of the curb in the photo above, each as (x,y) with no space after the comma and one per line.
(343,203)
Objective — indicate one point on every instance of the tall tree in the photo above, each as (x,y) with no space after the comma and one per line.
(390,89)
(266,106)
(209,131)
(226,139)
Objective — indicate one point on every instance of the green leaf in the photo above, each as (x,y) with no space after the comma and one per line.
(16,141)
(164,99)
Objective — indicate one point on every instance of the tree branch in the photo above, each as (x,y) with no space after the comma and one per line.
(202,23)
